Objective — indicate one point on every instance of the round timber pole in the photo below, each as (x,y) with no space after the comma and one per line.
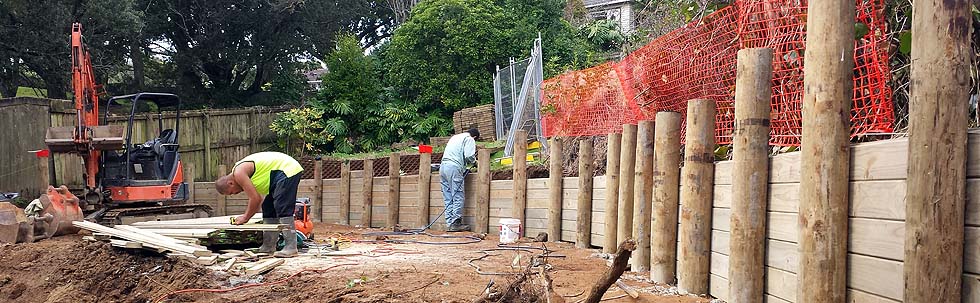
(938,113)
(825,164)
(611,220)
(583,220)
(666,191)
(750,176)
(554,189)
(697,192)
(627,171)
(640,261)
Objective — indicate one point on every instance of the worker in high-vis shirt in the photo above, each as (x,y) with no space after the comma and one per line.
(460,153)
(276,177)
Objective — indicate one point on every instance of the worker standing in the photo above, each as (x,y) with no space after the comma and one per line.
(460,153)
(276,176)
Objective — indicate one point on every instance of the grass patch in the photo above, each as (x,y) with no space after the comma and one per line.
(31,92)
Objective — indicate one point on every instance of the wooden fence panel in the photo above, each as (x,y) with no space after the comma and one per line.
(207,138)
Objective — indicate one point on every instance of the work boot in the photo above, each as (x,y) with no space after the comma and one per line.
(269,238)
(458,226)
(289,237)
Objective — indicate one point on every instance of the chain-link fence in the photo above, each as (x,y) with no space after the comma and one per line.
(517,98)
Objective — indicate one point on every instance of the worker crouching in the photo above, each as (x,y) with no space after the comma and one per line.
(276,176)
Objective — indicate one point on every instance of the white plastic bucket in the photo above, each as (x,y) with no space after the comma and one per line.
(510,230)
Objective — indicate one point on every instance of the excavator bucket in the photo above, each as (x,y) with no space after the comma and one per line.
(60,208)
(48,216)
(11,219)
(104,137)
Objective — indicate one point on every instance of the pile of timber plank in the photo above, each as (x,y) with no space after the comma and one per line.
(210,231)
(178,238)
(481,117)
(129,237)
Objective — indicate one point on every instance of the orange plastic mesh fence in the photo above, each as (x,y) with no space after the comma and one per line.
(698,61)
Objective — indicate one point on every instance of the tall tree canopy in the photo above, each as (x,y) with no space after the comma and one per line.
(445,54)
(229,49)
(219,51)
(35,39)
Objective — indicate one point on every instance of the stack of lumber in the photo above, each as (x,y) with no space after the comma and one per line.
(481,117)
(129,237)
(179,238)
(210,231)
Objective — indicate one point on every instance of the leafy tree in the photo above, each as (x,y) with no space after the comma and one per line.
(35,40)
(352,112)
(231,49)
(443,57)
(333,119)
(605,34)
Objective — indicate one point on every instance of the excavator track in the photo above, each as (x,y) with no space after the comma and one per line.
(116,216)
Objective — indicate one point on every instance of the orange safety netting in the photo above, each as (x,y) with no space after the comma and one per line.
(698,61)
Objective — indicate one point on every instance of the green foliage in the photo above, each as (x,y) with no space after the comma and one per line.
(905,42)
(34,40)
(230,49)
(445,54)
(331,121)
(353,112)
(605,34)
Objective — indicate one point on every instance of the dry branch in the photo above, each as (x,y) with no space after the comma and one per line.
(618,267)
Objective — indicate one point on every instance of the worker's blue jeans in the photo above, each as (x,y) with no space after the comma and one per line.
(451,177)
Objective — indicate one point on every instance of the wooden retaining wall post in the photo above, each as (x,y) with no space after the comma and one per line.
(222,199)
(207,142)
(394,187)
(520,176)
(586,168)
(825,163)
(750,176)
(666,189)
(345,193)
(318,190)
(44,171)
(613,144)
(189,175)
(482,191)
(936,194)
(554,189)
(627,173)
(697,193)
(643,196)
(367,193)
(425,180)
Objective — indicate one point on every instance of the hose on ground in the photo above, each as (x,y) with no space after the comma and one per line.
(421,232)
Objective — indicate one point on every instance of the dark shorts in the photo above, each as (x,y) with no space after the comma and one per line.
(281,200)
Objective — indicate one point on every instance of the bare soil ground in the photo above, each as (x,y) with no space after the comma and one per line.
(70,269)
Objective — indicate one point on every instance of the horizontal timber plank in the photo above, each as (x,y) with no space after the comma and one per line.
(869,199)
(877,277)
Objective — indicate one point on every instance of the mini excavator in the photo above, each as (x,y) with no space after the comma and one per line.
(125,182)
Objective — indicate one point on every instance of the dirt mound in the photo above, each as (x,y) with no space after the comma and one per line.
(533,172)
(67,269)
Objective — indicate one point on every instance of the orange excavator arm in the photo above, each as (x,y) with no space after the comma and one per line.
(86,101)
